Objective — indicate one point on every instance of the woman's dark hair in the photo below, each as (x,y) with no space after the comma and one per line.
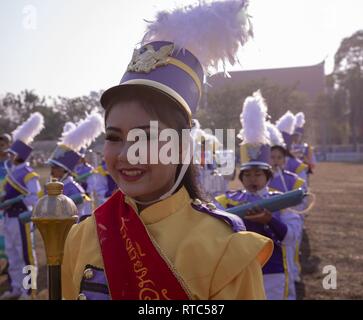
(164,108)
(284,151)
(268,174)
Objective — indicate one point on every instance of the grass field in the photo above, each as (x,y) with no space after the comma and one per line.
(333,234)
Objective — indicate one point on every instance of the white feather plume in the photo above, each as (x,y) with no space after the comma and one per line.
(276,137)
(213,32)
(300,120)
(29,129)
(286,123)
(196,124)
(85,133)
(68,126)
(253,120)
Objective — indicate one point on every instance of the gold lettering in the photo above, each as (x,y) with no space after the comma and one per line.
(139,250)
(148,294)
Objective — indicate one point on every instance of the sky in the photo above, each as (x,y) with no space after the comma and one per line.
(72,47)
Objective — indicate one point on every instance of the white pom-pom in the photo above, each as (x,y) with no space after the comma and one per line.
(213,32)
(276,137)
(253,120)
(300,120)
(68,126)
(286,123)
(85,132)
(30,128)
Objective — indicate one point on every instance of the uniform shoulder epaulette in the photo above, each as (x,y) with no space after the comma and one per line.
(210,208)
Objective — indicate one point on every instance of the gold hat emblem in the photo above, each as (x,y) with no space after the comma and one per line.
(147,59)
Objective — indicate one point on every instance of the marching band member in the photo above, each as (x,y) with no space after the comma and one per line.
(101,185)
(5,141)
(21,191)
(153,239)
(286,125)
(66,156)
(285,181)
(255,174)
(206,147)
(300,149)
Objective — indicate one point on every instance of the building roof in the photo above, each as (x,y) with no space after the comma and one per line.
(309,79)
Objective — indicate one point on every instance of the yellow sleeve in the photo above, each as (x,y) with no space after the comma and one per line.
(69,292)
(248,285)
(238,274)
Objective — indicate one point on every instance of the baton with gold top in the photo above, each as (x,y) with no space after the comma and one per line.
(54,215)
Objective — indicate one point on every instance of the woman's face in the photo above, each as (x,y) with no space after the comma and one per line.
(277,159)
(143,182)
(254,179)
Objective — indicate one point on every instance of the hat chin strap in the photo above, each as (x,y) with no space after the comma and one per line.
(181,175)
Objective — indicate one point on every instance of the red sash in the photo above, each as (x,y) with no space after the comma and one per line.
(135,270)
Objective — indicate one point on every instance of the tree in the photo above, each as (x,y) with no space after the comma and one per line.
(223,107)
(348,83)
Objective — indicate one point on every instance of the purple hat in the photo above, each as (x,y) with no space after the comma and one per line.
(255,148)
(299,131)
(255,156)
(64,157)
(167,69)
(20,149)
(288,139)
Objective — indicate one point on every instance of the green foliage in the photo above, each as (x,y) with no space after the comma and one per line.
(223,107)
(346,84)
(16,108)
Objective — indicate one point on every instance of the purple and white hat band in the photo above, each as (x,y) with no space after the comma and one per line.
(21,149)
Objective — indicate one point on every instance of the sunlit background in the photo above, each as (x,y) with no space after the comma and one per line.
(72,47)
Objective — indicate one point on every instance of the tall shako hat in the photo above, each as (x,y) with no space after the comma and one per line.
(74,138)
(24,135)
(286,125)
(180,46)
(255,146)
(300,122)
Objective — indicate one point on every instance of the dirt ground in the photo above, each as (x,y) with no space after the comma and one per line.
(333,235)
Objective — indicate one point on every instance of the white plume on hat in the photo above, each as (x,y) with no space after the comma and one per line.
(213,32)
(300,120)
(68,126)
(29,129)
(276,137)
(196,124)
(253,120)
(84,133)
(286,123)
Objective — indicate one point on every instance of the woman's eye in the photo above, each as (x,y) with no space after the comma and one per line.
(113,138)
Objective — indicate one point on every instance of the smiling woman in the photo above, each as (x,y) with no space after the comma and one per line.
(154,238)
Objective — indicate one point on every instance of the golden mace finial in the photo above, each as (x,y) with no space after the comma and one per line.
(54,215)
